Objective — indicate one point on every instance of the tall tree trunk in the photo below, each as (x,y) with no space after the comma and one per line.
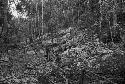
(5,22)
(100,27)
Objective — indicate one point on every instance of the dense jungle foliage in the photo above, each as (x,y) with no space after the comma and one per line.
(62,42)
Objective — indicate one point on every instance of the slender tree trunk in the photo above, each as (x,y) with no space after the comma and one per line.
(100,26)
(42,17)
(5,25)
